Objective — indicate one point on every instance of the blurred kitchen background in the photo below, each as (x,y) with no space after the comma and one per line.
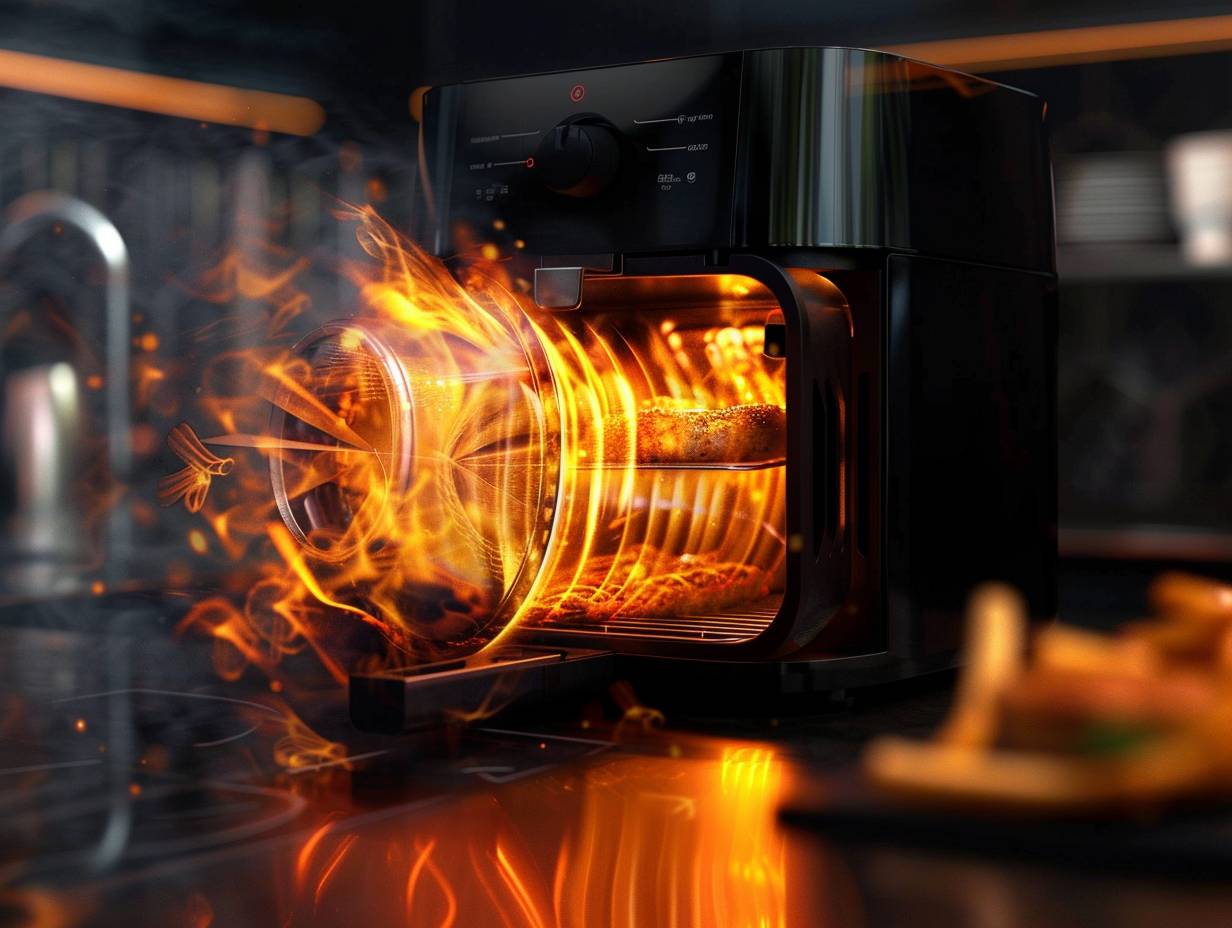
(193,173)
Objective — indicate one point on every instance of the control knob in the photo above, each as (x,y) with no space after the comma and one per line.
(579,157)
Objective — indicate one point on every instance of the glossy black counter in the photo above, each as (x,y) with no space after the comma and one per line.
(138,789)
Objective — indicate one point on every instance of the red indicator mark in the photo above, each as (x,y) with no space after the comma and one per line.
(530,162)
(577,93)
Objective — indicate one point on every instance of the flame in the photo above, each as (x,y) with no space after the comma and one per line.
(295,560)
(245,274)
(193,482)
(301,747)
(422,477)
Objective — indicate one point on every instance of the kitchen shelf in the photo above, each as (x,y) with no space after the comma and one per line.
(1101,264)
(1145,542)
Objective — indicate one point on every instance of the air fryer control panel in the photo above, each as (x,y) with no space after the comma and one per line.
(590,162)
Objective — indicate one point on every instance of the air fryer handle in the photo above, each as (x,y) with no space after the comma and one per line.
(475,688)
(822,407)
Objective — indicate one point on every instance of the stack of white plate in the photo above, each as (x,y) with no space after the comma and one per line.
(1112,197)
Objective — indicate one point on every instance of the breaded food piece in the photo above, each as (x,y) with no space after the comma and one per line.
(611,588)
(745,434)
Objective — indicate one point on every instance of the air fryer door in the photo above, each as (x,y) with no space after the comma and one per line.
(674,538)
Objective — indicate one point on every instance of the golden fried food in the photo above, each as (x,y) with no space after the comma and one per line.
(994,656)
(1183,641)
(1062,648)
(1193,599)
(1089,721)
(1110,697)
(745,434)
(1031,782)
(627,586)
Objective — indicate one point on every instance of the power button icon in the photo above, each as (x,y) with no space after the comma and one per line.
(577,93)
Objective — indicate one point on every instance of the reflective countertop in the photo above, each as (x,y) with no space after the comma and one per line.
(137,788)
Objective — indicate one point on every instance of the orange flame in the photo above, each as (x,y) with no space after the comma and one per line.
(301,747)
(449,463)
(193,482)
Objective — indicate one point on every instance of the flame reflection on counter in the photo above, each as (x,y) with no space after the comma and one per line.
(632,841)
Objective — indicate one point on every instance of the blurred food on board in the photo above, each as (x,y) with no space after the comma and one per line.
(1080,721)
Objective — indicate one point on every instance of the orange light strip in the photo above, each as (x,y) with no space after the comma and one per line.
(1117,42)
(168,96)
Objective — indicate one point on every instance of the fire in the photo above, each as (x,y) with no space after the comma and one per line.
(240,275)
(301,747)
(446,463)
(193,482)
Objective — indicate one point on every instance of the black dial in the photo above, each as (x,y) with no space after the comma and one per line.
(579,157)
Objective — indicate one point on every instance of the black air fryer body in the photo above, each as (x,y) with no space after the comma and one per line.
(901,215)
